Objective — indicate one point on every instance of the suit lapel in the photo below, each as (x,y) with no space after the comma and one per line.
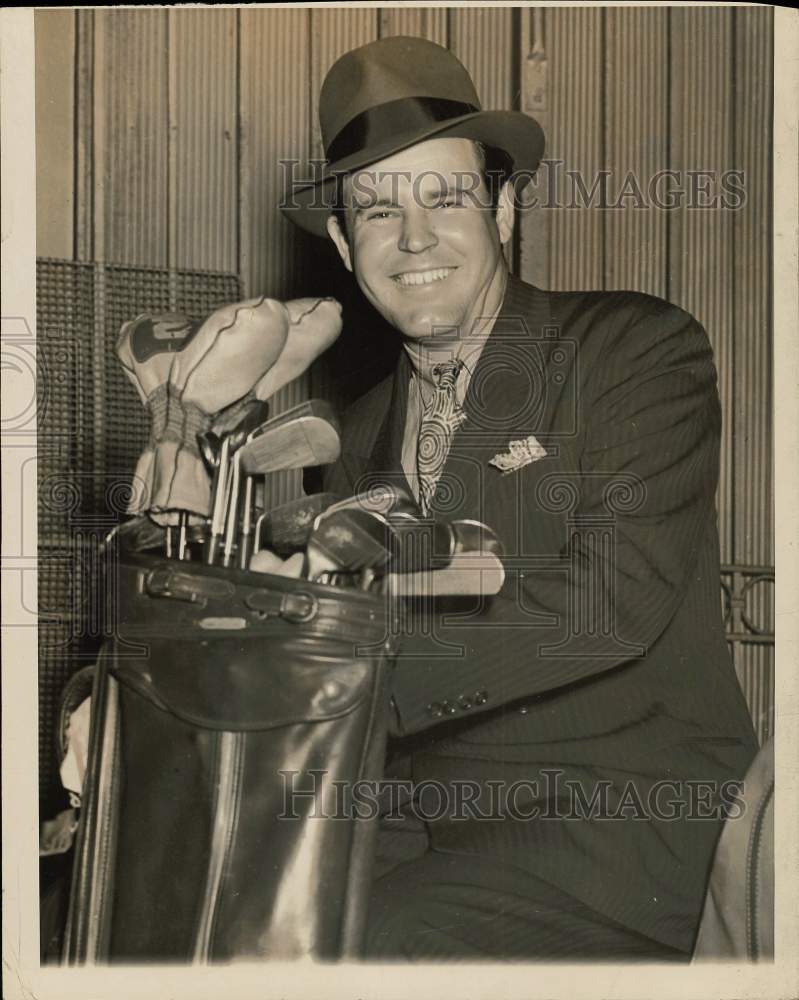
(386,458)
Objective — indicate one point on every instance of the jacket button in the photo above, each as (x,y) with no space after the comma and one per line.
(480,697)
(524,710)
(436,710)
(464,703)
(448,707)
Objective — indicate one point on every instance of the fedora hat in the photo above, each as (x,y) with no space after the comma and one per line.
(391,94)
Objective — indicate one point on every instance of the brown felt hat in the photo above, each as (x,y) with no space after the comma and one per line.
(388,95)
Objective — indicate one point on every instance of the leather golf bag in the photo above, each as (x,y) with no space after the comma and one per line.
(225,710)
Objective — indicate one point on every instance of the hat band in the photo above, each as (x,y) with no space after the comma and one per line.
(385,121)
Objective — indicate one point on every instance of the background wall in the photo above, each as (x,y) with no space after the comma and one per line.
(159,132)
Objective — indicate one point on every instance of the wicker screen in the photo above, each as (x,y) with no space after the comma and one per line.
(91,430)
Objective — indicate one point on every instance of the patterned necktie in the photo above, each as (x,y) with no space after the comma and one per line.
(441,417)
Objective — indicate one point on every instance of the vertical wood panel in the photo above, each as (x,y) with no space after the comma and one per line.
(422,22)
(752,289)
(576,52)
(54,40)
(476,37)
(274,125)
(752,459)
(636,88)
(136,129)
(701,253)
(84,180)
(533,218)
(203,139)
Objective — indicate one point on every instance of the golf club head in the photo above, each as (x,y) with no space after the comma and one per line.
(421,544)
(209,444)
(468,574)
(286,528)
(385,499)
(231,417)
(349,541)
(255,417)
(308,408)
(294,444)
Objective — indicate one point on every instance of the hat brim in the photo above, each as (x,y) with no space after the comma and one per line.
(519,135)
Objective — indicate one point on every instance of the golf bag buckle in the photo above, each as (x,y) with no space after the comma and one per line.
(298,607)
(166,582)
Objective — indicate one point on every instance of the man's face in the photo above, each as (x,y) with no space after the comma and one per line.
(425,252)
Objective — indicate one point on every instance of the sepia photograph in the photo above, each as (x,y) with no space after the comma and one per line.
(392,513)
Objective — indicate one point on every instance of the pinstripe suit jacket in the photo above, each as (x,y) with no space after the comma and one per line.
(602,665)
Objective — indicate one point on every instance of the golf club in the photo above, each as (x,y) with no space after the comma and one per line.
(468,573)
(348,540)
(421,543)
(294,440)
(215,448)
(305,435)
(251,423)
(384,499)
(286,528)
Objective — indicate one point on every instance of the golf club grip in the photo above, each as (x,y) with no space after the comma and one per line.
(469,573)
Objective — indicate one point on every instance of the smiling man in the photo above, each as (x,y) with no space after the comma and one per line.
(425,254)
(580,732)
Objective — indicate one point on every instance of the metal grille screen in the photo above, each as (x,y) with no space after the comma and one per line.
(91,431)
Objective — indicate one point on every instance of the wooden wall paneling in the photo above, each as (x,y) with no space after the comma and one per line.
(203,139)
(274,109)
(636,146)
(700,239)
(274,125)
(84,177)
(753,523)
(576,53)
(533,218)
(482,38)
(423,22)
(54,40)
(133,90)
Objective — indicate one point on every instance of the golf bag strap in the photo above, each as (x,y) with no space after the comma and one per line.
(178,584)
(85,940)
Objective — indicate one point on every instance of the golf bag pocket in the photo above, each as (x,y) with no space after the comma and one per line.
(232,714)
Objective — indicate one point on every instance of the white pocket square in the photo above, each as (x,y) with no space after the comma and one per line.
(520,453)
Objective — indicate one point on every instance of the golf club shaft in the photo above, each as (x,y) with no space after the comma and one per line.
(245,542)
(183,522)
(231,512)
(219,497)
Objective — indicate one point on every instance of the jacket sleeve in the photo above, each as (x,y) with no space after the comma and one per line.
(652,420)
